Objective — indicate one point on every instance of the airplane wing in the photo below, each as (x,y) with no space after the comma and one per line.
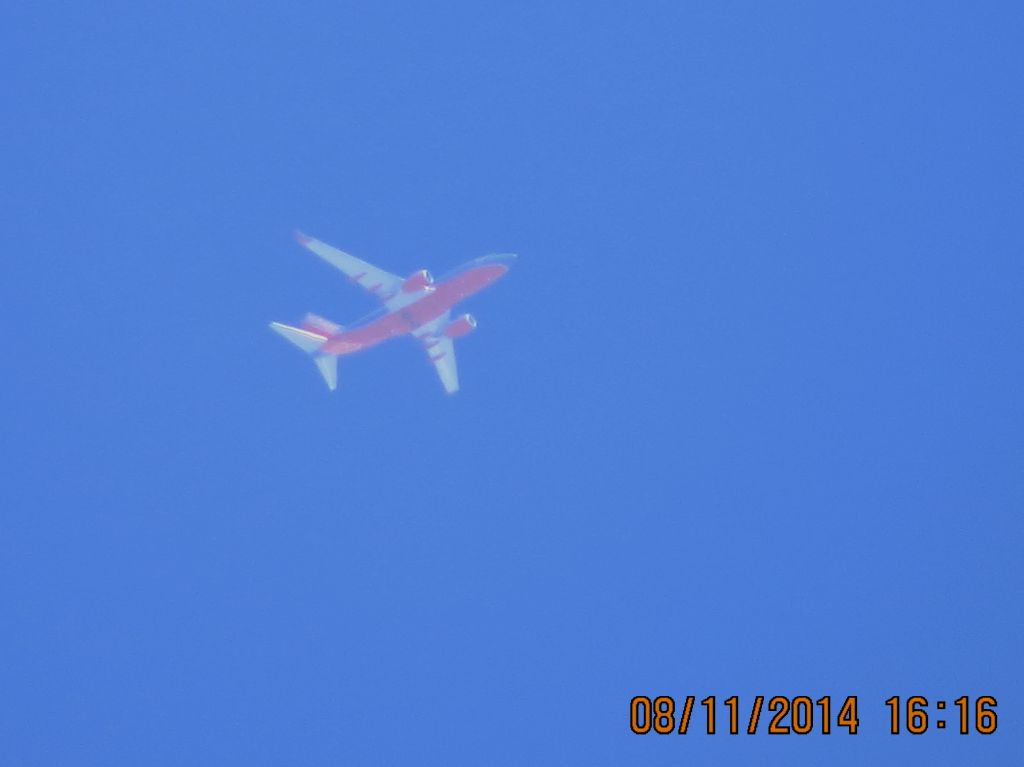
(442,354)
(378,282)
(441,351)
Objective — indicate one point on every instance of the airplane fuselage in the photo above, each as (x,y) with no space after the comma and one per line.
(417,306)
(427,304)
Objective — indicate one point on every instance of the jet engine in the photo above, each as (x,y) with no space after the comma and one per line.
(417,281)
(460,326)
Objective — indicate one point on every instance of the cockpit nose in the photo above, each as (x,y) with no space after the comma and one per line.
(499,259)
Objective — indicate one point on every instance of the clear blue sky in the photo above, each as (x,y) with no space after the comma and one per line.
(745,418)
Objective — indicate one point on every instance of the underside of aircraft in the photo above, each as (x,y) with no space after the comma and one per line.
(416,305)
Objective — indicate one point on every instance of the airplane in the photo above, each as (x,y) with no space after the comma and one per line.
(416,305)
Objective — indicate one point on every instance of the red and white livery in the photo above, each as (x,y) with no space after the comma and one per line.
(416,305)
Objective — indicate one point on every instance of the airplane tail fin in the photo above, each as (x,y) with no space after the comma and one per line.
(316,324)
(310,343)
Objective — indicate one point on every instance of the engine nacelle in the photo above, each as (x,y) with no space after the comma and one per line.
(417,281)
(460,326)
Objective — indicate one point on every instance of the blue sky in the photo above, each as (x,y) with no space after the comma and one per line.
(744,419)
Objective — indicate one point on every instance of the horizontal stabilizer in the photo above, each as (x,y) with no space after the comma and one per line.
(310,342)
(328,366)
(304,339)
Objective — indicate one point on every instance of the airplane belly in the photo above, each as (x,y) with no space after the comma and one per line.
(416,305)
(448,293)
(376,332)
